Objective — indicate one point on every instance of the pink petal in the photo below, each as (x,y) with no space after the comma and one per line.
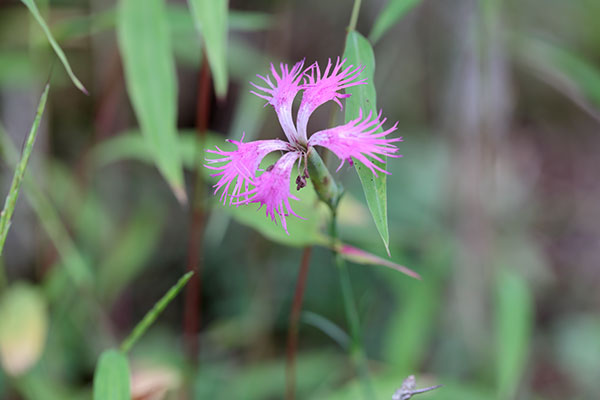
(360,139)
(281,93)
(320,88)
(240,165)
(273,189)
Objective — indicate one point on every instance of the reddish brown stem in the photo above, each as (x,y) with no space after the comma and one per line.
(193,294)
(292,343)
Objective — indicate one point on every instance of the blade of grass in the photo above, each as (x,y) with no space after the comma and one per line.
(59,52)
(76,266)
(13,193)
(151,316)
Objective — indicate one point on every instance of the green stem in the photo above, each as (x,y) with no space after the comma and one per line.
(354,16)
(357,352)
(327,189)
(151,316)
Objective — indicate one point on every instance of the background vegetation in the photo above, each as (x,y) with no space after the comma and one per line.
(495,202)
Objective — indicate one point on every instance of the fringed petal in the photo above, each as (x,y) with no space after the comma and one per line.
(320,88)
(240,165)
(361,139)
(273,189)
(281,93)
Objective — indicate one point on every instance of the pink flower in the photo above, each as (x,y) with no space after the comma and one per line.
(362,138)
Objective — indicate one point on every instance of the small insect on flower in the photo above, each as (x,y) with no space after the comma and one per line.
(240,180)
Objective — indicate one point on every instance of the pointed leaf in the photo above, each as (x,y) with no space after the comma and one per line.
(210,17)
(111,379)
(145,46)
(362,257)
(359,52)
(565,70)
(514,313)
(61,55)
(392,12)
(13,193)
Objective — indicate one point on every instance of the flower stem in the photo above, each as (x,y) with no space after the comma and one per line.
(327,189)
(357,353)
(354,15)
(330,193)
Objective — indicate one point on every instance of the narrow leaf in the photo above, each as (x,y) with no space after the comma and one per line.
(566,71)
(50,220)
(210,17)
(362,257)
(144,41)
(13,193)
(358,51)
(328,327)
(151,316)
(130,251)
(111,379)
(392,12)
(61,55)
(514,312)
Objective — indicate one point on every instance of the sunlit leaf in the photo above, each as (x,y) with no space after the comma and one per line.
(111,379)
(144,41)
(359,52)
(59,52)
(210,17)
(23,328)
(393,11)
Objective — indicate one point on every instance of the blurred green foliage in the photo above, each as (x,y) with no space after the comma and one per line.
(494,203)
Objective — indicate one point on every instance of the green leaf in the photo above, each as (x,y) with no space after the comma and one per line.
(23,328)
(61,55)
(50,220)
(328,327)
(130,251)
(16,69)
(144,41)
(302,232)
(210,17)
(359,256)
(514,313)
(358,51)
(393,11)
(563,69)
(151,315)
(13,193)
(111,379)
